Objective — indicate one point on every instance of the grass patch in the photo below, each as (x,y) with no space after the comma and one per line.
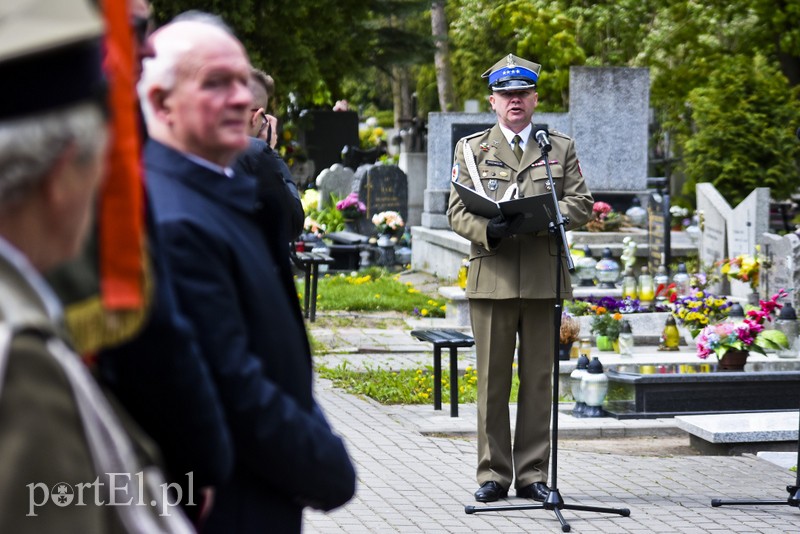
(373,289)
(404,386)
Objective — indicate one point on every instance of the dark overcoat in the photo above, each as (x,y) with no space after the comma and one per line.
(235,285)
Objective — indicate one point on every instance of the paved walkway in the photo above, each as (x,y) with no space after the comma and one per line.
(416,467)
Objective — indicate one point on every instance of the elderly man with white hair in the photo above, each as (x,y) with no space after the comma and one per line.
(234,281)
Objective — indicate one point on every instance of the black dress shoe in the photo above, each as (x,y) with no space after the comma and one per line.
(490,492)
(538,491)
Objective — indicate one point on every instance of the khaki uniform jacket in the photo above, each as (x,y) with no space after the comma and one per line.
(524,265)
(56,427)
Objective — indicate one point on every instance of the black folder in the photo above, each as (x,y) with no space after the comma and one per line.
(539,210)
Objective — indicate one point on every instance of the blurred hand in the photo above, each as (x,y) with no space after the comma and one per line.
(501,227)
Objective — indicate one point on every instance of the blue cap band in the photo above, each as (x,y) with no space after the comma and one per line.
(512,72)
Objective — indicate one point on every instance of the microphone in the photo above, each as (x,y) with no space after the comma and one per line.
(543,139)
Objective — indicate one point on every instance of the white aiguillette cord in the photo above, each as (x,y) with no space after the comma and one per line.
(469,159)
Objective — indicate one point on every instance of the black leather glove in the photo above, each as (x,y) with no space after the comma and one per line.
(501,227)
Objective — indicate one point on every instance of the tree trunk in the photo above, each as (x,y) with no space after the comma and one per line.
(441,59)
(401,95)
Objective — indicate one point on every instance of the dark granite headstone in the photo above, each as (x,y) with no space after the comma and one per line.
(382,188)
(326,133)
(459,130)
(658,228)
(354,157)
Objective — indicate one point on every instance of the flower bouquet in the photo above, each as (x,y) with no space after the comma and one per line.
(746,335)
(700,309)
(388,222)
(604,218)
(351,207)
(744,268)
(570,328)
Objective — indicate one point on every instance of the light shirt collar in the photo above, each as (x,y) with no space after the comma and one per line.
(524,135)
(31,275)
(226,171)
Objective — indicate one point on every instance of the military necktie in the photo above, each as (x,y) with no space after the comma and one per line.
(516,148)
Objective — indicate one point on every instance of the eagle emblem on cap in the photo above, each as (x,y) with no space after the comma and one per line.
(510,61)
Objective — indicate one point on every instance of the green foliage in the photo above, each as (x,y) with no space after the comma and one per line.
(537,30)
(325,220)
(374,289)
(607,324)
(405,386)
(309,45)
(745,119)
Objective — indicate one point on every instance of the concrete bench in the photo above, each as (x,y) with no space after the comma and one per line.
(452,339)
(738,433)
(309,263)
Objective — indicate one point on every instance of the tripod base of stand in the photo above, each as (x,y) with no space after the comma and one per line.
(793,500)
(553,502)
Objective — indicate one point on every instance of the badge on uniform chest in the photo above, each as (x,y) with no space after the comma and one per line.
(492,185)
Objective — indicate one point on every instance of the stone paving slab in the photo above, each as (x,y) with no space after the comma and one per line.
(416,466)
(742,427)
(412,482)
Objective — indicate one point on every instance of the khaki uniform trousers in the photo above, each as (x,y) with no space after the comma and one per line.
(495,326)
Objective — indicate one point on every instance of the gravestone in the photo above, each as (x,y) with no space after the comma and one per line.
(658,231)
(727,232)
(415,165)
(382,188)
(338,180)
(748,221)
(783,256)
(609,112)
(325,133)
(714,212)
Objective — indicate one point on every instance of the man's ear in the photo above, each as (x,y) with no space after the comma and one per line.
(159,101)
(54,185)
(255,118)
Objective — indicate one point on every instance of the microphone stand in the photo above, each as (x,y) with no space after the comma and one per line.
(794,491)
(554,500)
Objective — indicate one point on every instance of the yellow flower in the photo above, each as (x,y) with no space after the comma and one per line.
(424,312)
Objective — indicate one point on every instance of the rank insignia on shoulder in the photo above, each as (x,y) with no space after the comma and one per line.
(484,147)
(454,174)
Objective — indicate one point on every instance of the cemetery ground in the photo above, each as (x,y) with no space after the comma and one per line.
(416,466)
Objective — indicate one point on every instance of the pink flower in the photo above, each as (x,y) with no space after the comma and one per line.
(601,208)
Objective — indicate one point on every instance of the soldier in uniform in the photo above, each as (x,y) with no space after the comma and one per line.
(511,281)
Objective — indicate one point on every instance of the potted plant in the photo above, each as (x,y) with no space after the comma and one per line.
(732,342)
(698,310)
(568,334)
(606,327)
(388,223)
(351,209)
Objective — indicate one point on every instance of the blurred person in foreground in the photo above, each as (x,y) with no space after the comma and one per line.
(120,304)
(234,281)
(61,438)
